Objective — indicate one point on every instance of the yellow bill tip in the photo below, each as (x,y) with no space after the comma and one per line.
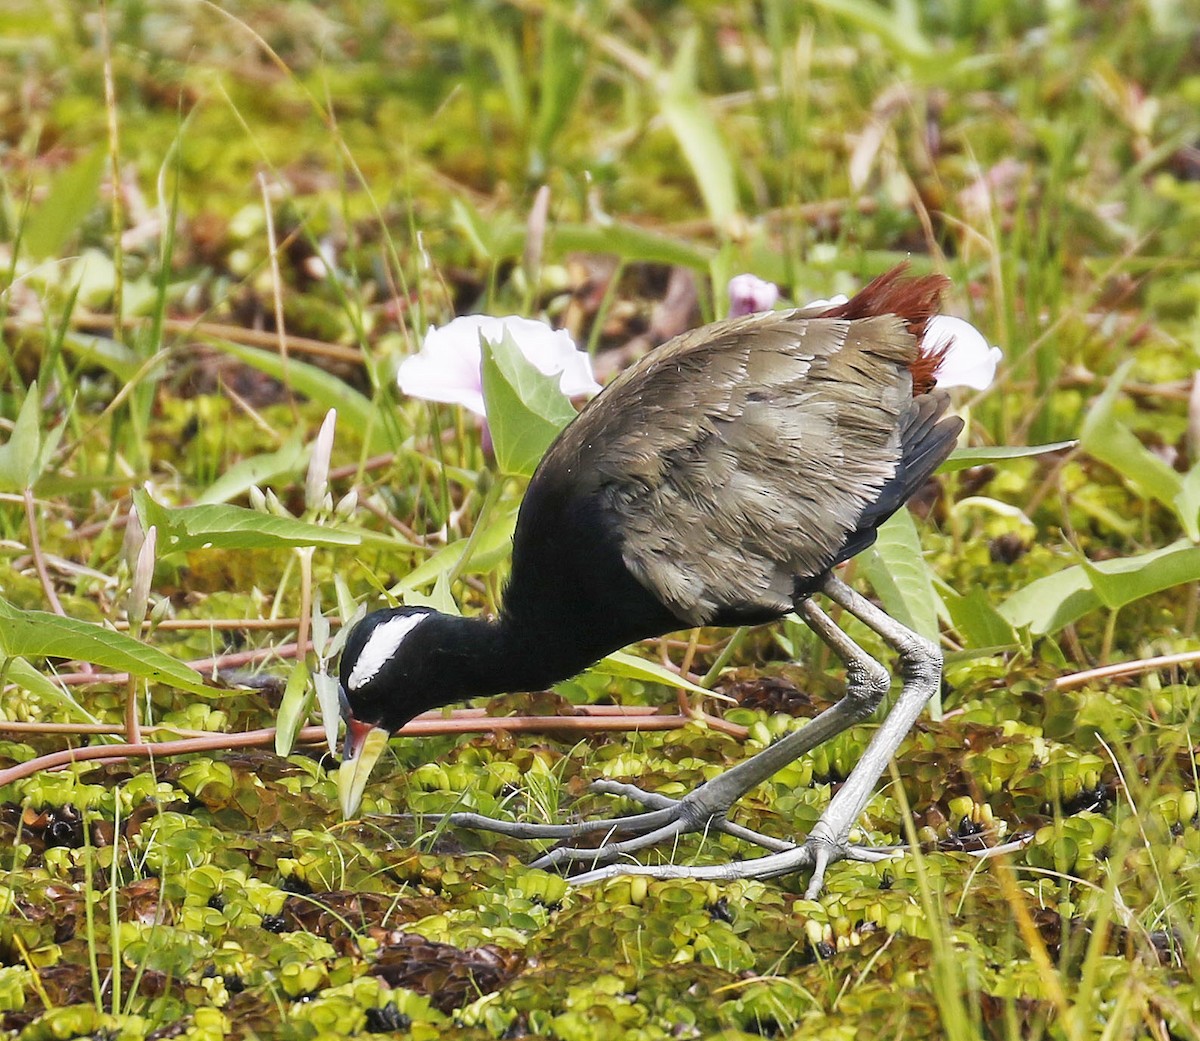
(354,773)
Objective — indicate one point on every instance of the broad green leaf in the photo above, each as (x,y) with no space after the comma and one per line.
(319,386)
(491,547)
(685,111)
(897,570)
(39,634)
(1050,603)
(293,708)
(287,461)
(1115,445)
(19,671)
(1126,579)
(525,409)
(221,526)
(622,665)
(19,456)
(977,619)
(962,458)
(60,214)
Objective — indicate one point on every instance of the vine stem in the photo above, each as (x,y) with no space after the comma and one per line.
(315,735)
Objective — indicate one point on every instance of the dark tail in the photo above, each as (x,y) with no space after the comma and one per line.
(927,438)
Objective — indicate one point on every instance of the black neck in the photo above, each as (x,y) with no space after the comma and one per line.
(481,657)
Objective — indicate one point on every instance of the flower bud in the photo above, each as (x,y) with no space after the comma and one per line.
(317,483)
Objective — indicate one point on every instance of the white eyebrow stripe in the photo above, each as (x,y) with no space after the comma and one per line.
(383,642)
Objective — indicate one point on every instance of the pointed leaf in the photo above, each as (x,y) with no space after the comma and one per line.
(60,214)
(39,634)
(120,360)
(317,384)
(526,410)
(1050,603)
(19,456)
(293,709)
(962,458)
(686,112)
(623,665)
(329,703)
(978,621)
(1116,446)
(897,570)
(489,548)
(260,470)
(1187,503)
(221,526)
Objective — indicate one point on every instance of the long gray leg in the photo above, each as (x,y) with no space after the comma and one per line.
(921,668)
(706,806)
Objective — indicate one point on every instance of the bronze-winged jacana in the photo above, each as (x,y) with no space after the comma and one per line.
(718,481)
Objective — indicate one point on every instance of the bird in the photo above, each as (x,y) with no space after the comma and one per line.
(718,481)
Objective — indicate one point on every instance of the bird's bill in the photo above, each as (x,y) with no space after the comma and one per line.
(364,745)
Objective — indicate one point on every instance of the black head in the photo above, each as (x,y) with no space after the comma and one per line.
(389,666)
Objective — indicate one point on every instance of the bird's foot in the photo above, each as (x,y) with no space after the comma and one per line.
(667,818)
(664,818)
(815,854)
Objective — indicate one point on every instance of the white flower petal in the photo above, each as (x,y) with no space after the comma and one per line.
(447,368)
(833,301)
(970,361)
(749,293)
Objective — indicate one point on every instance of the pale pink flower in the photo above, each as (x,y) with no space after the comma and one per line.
(448,367)
(970,362)
(749,293)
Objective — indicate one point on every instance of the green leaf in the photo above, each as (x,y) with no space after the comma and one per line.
(39,634)
(1115,445)
(1050,603)
(493,237)
(287,461)
(562,68)
(978,621)
(318,385)
(1187,503)
(72,195)
(19,456)
(221,526)
(525,409)
(491,547)
(1126,579)
(293,708)
(100,350)
(685,111)
(962,458)
(622,665)
(897,570)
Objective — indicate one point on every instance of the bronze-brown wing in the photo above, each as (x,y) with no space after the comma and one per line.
(742,455)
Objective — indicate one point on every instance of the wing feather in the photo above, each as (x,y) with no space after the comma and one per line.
(738,457)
